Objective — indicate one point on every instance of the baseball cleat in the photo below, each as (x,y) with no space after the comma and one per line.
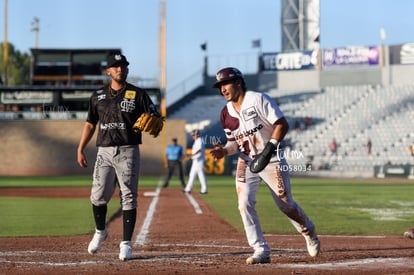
(259,258)
(125,250)
(312,243)
(97,240)
(409,233)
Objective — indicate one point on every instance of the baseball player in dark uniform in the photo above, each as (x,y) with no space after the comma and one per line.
(254,127)
(113,110)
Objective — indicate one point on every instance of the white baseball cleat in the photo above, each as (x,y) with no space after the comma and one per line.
(259,258)
(97,240)
(409,233)
(312,242)
(125,250)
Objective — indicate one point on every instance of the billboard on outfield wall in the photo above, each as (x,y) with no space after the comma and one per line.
(402,54)
(394,171)
(350,56)
(300,60)
(330,58)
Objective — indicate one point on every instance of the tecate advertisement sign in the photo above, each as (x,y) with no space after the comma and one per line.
(304,60)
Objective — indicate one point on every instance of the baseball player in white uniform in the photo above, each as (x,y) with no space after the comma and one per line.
(254,127)
(198,159)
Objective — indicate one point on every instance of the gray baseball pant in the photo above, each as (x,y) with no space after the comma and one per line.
(116,164)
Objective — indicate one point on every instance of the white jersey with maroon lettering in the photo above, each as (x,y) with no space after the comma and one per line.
(252,128)
(248,132)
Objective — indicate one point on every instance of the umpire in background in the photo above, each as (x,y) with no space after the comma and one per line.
(174,155)
(115,107)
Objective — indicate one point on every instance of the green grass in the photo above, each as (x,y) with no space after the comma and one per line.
(61,181)
(348,207)
(21,216)
(47,217)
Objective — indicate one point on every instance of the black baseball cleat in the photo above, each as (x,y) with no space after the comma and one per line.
(203,193)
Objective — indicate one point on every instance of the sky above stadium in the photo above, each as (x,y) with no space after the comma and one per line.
(228,28)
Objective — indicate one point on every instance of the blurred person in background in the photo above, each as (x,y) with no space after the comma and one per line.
(173,159)
(197,166)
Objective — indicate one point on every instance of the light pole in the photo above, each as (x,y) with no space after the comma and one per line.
(383,36)
(5,47)
(163,76)
(36,29)
(385,59)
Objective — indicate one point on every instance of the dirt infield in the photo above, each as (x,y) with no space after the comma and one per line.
(172,238)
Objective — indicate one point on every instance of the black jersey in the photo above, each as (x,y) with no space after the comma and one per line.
(117,114)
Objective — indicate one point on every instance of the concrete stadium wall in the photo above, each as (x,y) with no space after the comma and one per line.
(351,77)
(402,74)
(298,80)
(314,80)
(310,80)
(48,147)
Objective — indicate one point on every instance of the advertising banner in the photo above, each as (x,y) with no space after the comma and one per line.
(402,54)
(351,56)
(304,60)
(394,171)
(27,97)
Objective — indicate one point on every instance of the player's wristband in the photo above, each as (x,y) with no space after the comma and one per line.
(275,142)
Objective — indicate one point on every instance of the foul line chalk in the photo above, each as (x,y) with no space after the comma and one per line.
(142,235)
(194,203)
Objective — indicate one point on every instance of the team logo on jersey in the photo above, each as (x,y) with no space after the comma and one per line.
(249,113)
(129,94)
(127,105)
(101,97)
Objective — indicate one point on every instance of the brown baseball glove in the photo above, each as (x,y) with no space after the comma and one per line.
(149,123)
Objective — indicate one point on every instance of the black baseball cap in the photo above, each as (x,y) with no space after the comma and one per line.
(116,60)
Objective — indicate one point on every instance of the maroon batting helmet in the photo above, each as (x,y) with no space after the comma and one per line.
(227,74)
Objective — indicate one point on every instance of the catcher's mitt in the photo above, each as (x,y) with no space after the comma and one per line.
(150,123)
